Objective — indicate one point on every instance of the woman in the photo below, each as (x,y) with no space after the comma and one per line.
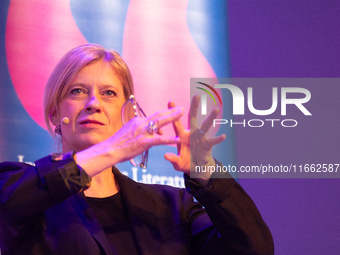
(77,202)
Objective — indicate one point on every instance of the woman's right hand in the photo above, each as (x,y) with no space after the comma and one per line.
(134,138)
(129,141)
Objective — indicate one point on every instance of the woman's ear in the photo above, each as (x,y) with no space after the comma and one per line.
(54,117)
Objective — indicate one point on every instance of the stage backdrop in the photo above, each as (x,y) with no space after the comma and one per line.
(166,43)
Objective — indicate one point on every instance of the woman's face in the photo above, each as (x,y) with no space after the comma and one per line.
(93,104)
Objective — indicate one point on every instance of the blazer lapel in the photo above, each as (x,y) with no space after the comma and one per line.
(142,214)
(89,220)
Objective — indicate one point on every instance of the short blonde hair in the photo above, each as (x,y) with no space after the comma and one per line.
(67,68)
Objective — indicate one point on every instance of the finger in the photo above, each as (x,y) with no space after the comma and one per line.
(193,112)
(197,134)
(166,116)
(161,140)
(171,104)
(164,112)
(215,140)
(173,159)
(177,124)
(178,127)
(209,120)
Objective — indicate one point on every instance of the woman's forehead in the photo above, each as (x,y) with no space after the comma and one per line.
(95,72)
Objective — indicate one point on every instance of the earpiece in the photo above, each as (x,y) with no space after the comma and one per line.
(65,120)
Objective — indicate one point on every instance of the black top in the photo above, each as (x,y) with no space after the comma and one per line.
(114,220)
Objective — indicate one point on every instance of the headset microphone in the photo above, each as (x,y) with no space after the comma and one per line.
(65,120)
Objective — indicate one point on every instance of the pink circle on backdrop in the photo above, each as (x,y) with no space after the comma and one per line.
(38,34)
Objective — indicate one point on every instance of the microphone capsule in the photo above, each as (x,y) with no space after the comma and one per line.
(65,120)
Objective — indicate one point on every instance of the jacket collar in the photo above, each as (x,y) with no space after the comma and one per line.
(142,212)
(89,220)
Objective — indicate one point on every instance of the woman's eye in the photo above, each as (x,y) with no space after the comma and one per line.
(110,93)
(76,91)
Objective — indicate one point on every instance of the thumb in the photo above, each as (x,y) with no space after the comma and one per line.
(173,159)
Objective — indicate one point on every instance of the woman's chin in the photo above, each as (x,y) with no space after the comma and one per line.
(82,144)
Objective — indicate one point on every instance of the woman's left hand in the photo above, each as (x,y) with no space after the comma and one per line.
(199,153)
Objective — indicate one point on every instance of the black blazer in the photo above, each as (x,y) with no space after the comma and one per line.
(42,211)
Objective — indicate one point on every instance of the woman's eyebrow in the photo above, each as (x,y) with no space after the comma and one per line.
(78,84)
(109,86)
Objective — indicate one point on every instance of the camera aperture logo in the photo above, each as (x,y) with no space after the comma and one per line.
(302,96)
(204,97)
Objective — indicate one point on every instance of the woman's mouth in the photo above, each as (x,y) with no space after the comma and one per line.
(90,123)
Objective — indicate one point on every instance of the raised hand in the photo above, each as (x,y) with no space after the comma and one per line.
(195,147)
(135,137)
(138,134)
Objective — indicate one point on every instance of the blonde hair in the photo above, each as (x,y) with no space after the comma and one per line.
(67,68)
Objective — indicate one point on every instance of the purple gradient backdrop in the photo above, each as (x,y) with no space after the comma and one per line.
(290,39)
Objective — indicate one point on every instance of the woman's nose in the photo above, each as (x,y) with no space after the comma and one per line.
(93,105)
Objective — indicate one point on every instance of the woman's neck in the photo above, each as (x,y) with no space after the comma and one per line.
(103,185)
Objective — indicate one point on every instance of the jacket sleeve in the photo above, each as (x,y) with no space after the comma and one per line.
(237,226)
(26,191)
